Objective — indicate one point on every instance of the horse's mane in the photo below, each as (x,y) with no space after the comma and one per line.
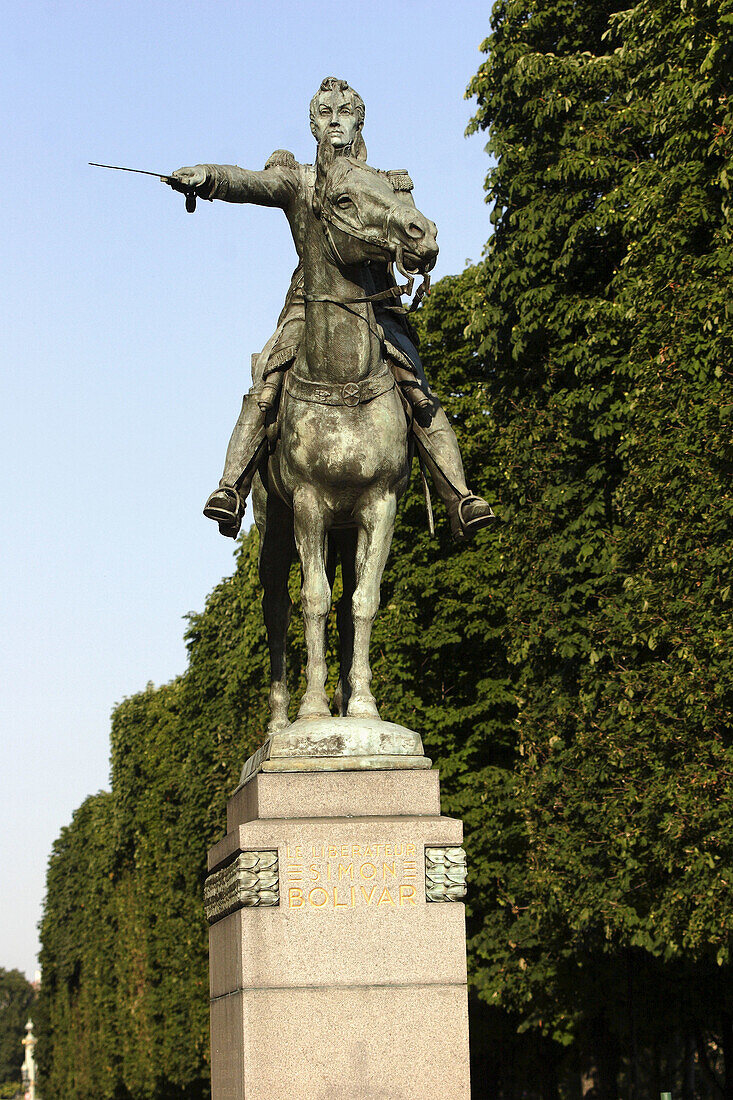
(347,163)
(338,168)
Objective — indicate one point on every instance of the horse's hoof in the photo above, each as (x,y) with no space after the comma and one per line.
(362,708)
(338,701)
(315,708)
(277,725)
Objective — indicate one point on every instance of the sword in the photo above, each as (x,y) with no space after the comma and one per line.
(426,494)
(189,192)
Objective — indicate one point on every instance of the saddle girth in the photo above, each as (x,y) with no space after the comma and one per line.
(349,394)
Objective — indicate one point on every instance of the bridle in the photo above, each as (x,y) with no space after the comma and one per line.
(330,216)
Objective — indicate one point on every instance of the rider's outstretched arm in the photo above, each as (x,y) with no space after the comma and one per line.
(275,186)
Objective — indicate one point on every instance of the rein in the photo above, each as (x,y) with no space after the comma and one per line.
(380,296)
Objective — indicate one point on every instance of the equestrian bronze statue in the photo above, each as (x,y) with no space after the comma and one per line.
(339,398)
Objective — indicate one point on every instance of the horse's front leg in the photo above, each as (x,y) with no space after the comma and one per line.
(374,541)
(315,594)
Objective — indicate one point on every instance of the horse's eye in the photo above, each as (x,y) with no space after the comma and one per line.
(343,201)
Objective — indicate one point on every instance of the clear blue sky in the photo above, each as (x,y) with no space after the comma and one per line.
(129,326)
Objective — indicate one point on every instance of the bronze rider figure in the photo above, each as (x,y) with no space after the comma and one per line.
(336,115)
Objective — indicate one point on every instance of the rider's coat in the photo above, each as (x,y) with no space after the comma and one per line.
(289,185)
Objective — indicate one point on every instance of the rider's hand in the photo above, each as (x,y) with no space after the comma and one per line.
(195,177)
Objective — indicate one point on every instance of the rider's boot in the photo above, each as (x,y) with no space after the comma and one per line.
(436,441)
(226,504)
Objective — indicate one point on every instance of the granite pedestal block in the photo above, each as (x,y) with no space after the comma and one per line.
(337,940)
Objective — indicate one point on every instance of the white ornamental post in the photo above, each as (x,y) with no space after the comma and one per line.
(29,1063)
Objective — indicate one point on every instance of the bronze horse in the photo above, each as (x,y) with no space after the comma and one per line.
(343,458)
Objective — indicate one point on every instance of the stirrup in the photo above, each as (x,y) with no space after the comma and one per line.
(228,516)
(465,528)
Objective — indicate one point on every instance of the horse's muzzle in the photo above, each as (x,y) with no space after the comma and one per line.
(418,245)
(414,261)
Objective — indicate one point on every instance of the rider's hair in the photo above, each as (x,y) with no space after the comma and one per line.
(333,84)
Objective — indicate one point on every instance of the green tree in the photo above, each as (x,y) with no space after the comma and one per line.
(76,1018)
(605,325)
(16,999)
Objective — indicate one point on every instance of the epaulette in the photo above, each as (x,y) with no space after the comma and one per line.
(281,158)
(400,179)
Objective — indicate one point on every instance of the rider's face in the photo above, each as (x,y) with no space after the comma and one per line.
(336,119)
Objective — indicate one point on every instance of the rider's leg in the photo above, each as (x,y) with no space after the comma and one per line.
(438,447)
(226,504)
(436,440)
(247,438)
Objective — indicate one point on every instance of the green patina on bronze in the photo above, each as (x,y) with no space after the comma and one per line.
(328,453)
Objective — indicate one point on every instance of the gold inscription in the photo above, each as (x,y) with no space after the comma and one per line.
(350,876)
(318,897)
(355,851)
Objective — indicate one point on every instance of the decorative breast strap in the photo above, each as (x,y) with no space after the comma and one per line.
(340,393)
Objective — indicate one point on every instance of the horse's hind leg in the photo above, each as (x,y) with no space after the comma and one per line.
(310,537)
(344,620)
(374,540)
(277,549)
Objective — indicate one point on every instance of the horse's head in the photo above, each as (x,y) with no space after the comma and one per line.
(367,219)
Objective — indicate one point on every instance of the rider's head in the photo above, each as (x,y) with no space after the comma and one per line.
(337,113)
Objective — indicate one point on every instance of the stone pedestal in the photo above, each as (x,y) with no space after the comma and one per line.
(337,940)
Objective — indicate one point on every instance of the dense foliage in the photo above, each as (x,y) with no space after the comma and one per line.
(605,323)
(570,670)
(16,999)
